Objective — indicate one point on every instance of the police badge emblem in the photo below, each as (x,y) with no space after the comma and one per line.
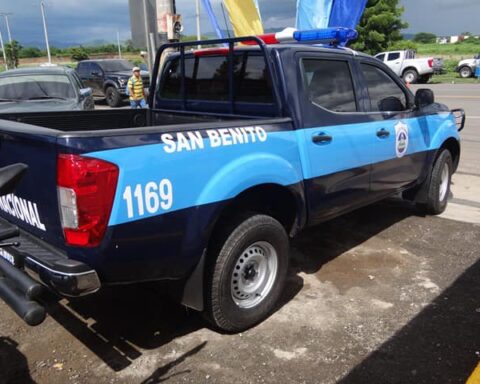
(401,139)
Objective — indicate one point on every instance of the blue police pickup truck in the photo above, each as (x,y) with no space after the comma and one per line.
(243,146)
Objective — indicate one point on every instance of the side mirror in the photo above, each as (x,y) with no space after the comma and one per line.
(95,73)
(10,176)
(85,92)
(424,97)
(391,104)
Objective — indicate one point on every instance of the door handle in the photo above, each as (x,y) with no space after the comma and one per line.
(383,133)
(322,138)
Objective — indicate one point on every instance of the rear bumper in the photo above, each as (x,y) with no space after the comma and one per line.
(51,267)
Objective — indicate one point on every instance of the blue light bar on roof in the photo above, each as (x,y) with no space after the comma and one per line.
(326,35)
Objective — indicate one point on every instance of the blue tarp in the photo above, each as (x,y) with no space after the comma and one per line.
(313,14)
(347,13)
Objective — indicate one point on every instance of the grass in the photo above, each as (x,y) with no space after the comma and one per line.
(450,51)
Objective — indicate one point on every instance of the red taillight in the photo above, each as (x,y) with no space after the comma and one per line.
(430,63)
(86,189)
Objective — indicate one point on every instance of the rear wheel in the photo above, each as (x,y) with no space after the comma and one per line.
(410,76)
(439,184)
(465,72)
(246,272)
(113,97)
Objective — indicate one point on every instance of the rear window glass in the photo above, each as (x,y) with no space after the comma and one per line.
(31,87)
(329,84)
(206,78)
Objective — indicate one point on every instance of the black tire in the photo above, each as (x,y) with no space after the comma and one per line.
(228,257)
(424,79)
(410,76)
(113,97)
(436,203)
(465,72)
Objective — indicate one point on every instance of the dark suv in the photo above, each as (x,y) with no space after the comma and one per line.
(108,78)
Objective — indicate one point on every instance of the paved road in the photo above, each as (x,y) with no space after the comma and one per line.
(381,295)
(466,96)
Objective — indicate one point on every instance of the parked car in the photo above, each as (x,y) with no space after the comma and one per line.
(413,70)
(109,78)
(241,149)
(43,89)
(466,68)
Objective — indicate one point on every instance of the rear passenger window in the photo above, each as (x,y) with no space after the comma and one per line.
(329,84)
(385,94)
(393,56)
(206,78)
(83,69)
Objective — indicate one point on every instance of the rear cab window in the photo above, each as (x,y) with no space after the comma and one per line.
(329,85)
(207,80)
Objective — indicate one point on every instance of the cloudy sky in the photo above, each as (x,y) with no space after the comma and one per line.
(78,21)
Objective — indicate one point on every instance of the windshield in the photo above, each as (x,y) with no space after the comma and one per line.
(116,65)
(36,87)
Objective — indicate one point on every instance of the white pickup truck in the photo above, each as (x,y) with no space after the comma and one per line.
(407,66)
(466,68)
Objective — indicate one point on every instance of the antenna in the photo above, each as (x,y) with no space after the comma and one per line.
(5,16)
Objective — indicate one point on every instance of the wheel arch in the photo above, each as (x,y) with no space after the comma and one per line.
(453,147)
(284,203)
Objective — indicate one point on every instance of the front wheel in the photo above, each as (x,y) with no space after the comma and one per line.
(246,273)
(465,72)
(439,184)
(113,97)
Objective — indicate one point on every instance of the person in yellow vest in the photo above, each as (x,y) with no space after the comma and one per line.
(136,90)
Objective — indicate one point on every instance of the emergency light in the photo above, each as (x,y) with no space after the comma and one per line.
(336,36)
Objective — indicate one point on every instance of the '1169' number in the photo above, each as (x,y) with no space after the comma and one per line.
(150,198)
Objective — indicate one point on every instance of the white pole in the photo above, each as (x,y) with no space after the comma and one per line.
(119,46)
(199,32)
(147,37)
(42,7)
(3,50)
(5,15)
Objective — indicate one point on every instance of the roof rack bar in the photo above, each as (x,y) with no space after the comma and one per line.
(230,41)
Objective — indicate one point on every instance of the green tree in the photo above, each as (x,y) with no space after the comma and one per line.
(29,52)
(380,26)
(425,38)
(79,53)
(403,45)
(12,51)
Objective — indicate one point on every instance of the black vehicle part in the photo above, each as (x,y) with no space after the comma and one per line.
(460,118)
(18,291)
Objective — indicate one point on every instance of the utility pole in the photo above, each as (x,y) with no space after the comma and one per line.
(119,46)
(3,50)
(197,15)
(147,36)
(42,7)
(9,32)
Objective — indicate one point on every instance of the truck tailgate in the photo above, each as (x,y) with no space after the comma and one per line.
(34,206)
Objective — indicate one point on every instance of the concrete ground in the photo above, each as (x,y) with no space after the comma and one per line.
(381,295)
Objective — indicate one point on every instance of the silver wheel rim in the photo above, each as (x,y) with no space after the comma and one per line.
(254,274)
(465,73)
(409,77)
(443,189)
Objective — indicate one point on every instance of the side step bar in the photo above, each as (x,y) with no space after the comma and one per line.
(19,291)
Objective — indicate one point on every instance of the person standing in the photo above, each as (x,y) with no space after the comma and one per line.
(136,90)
